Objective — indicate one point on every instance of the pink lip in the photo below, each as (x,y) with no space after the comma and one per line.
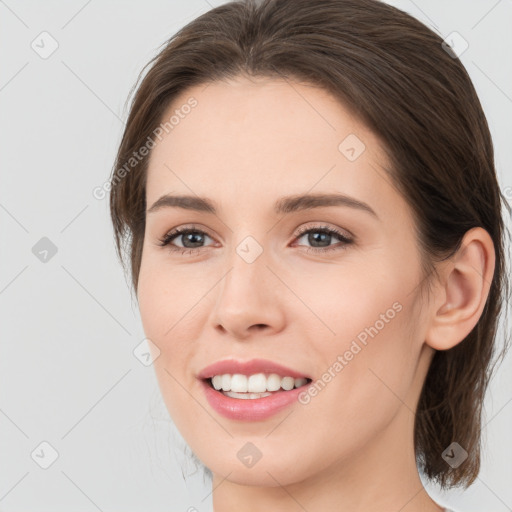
(251,409)
(251,367)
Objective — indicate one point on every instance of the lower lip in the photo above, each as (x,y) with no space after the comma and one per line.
(250,409)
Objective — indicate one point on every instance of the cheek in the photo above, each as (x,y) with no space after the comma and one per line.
(367,373)
(164,295)
(168,318)
(346,300)
(168,321)
(380,362)
(371,352)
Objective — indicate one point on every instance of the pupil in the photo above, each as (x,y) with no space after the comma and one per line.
(195,243)
(313,238)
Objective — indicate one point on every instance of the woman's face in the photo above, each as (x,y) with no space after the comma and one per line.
(261,282)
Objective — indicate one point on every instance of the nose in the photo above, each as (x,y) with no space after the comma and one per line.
(248,300)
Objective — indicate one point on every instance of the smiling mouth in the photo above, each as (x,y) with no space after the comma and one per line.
(255,386)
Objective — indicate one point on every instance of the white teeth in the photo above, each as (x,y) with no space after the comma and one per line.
(239,383)
(287,383)
(217,382)
(245,396)
(258,383)
(273,382)
(226,382)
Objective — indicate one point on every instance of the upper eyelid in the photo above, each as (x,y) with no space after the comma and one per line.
(324,226)
(305,227)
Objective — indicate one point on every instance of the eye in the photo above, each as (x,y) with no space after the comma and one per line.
(321,236)
(192,239)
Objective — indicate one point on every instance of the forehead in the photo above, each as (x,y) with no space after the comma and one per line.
(260,136)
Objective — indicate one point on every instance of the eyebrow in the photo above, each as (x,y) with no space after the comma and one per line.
(283,205)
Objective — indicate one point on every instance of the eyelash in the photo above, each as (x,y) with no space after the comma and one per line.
(169,237)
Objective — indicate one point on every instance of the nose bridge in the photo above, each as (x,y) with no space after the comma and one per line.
(246,283)
(246,296)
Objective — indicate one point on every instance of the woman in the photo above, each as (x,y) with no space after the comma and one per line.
(307,197)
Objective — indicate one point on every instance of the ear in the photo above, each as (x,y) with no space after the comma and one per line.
(460,298)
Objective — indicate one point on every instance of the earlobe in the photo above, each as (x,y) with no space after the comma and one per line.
(460,300)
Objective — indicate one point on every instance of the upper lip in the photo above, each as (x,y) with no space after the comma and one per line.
(247,368)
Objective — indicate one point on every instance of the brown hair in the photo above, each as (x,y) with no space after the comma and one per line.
(394,74)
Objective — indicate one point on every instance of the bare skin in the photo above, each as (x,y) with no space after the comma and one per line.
(246,144)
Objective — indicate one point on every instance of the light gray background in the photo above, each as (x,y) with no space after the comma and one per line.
(68,375)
